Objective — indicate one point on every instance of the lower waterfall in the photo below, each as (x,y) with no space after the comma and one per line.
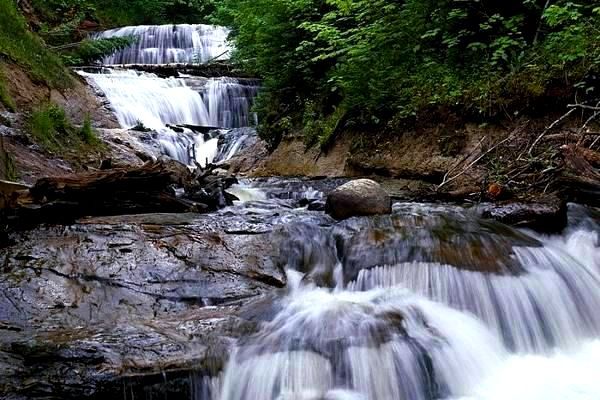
(433,327)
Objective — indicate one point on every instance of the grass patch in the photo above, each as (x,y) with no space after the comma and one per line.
(8,166)
(87,134)
(5,98)
(52,129)
(20,45)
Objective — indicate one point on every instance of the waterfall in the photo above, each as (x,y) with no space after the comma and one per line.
(140,98)
(156,102)
(440,323)
(167,44)
(229,101)
(372,345)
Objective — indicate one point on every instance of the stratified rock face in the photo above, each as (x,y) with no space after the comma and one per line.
(86,305)
(358,198)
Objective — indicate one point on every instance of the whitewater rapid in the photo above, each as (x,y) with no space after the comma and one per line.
(422,329)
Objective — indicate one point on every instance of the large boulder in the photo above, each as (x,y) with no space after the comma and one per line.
(357,198)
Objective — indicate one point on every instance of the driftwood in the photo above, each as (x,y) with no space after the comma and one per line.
(146,189)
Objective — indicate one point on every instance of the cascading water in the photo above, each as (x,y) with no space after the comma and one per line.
(429,303)
(156,102)
(166,44)
(229,101)
(140,98)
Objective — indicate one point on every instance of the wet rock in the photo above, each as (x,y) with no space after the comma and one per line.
(357,198)
(125,301)
(316,205)
(548,215)
(465,244)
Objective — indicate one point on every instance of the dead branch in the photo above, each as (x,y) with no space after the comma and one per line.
(584,106)
(588,121)
(465,169)
(549,128)
(463,159)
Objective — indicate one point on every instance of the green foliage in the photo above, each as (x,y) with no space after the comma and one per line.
(379,62)
(5,98)
(52,129)
(87,134)
(8,166)
(63,16)
(90,51)
(20,45)
(49,126)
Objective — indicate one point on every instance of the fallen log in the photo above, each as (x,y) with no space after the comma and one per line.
(146,189)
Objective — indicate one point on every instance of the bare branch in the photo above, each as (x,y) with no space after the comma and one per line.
(552,125)
(584,106)
(465,169)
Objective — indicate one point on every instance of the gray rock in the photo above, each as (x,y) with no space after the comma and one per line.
(546,215)
(358,198)
(87,308)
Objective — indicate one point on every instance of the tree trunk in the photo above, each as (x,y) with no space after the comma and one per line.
(145,189)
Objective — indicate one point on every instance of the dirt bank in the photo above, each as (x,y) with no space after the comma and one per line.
(502,161)
(28,160)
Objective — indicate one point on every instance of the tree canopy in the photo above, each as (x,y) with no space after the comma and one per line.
(383,62)
(328,64)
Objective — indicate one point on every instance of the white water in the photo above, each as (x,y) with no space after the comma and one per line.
(141,97)
(246,193)
(156,102)
(144,98)
(424,330)
(165,44)
(564,375)
(138,97)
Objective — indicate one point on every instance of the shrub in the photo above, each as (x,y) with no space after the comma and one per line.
(87,133)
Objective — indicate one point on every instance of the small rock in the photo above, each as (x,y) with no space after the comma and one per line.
(316,205)
(358,198)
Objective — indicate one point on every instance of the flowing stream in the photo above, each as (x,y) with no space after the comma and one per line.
(428,303)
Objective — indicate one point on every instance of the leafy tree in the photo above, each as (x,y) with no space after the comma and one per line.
(331,63)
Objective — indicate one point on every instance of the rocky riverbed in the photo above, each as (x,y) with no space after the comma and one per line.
(152,304)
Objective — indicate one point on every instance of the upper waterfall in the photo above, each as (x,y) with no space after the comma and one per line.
(157,102)
(165,44)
